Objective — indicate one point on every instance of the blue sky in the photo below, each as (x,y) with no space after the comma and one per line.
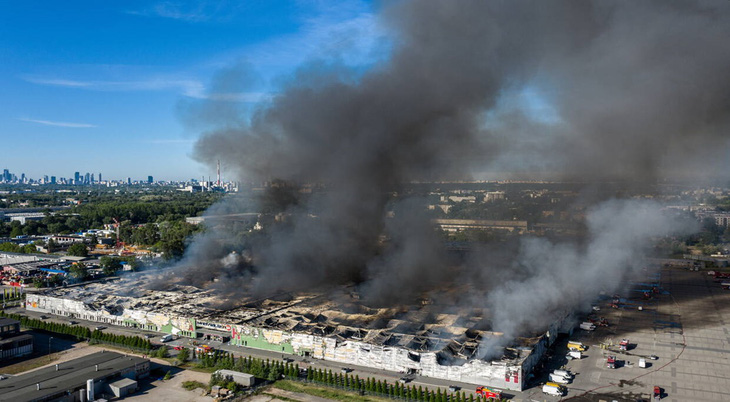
(102,86)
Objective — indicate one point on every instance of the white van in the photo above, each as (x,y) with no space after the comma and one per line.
(554,389)
(166,338)
(559,379)
(573,355)
(563,373)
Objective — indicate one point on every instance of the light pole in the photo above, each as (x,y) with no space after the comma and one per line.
(49,348)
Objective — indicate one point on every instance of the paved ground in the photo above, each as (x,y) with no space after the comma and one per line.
(684,326)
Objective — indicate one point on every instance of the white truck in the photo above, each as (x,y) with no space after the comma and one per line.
(559,379)
(587,326)
(554,389)
(166,338)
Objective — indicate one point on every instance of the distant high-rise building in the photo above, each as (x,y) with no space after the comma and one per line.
(92,178)
(149,179)
(45,179)
(87,178)
(129,180)
(99,176)
(22,177)
(6,175)
(77,178)
(53,179)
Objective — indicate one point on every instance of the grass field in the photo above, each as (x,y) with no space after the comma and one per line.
(325,392)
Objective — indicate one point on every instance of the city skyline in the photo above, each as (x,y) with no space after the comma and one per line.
(16,177)
(124,100)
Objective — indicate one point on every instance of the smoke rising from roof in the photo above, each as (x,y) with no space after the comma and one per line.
(631,91)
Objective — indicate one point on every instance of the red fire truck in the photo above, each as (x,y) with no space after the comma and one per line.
(488,393)
(611,362)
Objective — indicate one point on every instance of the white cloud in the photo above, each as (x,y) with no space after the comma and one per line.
(58,123)
(187,87)
(199,11)
(57,82)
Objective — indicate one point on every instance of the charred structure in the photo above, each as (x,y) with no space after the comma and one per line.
(427,339)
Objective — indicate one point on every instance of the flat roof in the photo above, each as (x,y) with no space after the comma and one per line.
(70,376)
(8,321)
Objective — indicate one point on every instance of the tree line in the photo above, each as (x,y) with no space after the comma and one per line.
(275,370)
(80,332)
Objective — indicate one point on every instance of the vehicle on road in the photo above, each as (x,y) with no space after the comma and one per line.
(404,380)
(73,322)
(100,327)
(624,345)
(564,373)
(204,349)
(179,347)
(454,388)
(657,393)
(554,389)
(166,338)
(488,393)
(345,370)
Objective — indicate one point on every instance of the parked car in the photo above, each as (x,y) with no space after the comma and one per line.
(100,327)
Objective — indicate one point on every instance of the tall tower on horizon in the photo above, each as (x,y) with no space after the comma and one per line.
(219,173)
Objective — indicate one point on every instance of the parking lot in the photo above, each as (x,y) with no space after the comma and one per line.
(684,326)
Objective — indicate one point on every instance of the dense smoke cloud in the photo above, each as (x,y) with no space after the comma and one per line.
(629,91)
(557,279)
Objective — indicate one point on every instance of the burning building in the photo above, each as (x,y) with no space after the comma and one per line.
(421,339)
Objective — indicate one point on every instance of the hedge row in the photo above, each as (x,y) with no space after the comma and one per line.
(80,332)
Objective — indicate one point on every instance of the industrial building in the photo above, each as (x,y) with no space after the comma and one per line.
(429,340)
(12,342)
(84,379)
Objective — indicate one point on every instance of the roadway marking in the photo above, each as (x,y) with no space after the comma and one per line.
(674,371)
(674,387)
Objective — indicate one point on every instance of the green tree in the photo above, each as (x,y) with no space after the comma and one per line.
(183,355)
(78,271)
(78,250)
(16,231)
(29,249)
(10,247)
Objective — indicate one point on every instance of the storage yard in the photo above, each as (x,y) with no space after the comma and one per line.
(420,340)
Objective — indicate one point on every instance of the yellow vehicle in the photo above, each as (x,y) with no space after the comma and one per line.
(576,346)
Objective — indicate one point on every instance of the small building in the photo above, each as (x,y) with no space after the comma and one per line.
(12,342)
(87,378)
(123,387)
(243,379)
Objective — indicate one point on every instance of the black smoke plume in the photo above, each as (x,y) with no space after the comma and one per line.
(632,91)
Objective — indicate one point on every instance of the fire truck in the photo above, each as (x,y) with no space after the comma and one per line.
(611,362)
(722,275)
(488,393)
(204,349)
